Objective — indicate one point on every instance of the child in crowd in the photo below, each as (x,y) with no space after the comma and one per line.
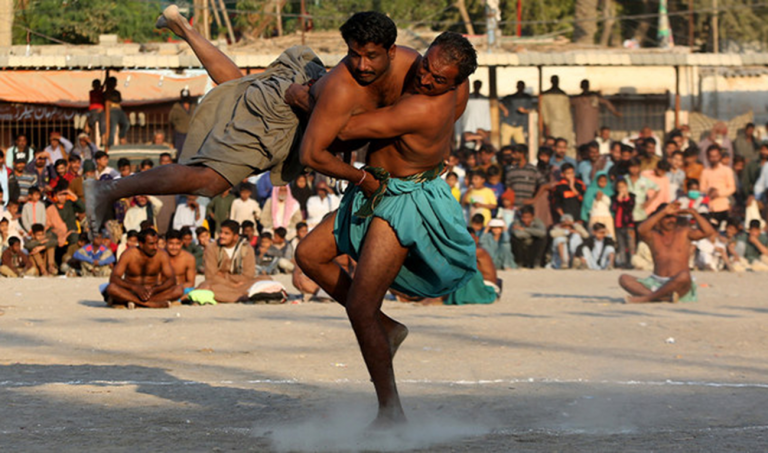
(479,198)
(622,207)
(597,252)
(495,241)
(245,208)
(597,203)
(452,179)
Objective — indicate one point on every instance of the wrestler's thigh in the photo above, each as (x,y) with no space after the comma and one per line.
(381,258)
(319,246)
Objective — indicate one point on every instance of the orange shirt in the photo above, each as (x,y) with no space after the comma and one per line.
(723,179)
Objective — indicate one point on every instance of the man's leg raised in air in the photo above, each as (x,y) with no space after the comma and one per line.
(315,256)
(168,179)
(219,66)
(381,258)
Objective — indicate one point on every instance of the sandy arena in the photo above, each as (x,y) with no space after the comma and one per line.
(560,364)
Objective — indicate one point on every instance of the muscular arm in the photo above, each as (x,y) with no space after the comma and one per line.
(407,116)
(191,272)
(645,228)
(116,278)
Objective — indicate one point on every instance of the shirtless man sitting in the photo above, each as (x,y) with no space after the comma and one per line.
(244,127)
(143,276)
(669,238)
(182,262)
(415,240)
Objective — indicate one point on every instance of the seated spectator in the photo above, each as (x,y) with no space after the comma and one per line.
(42,248)
(507,211)
(14,262)
(188,244)
(249,233)
(642,260)
(711,254)
(568,194)
(676,175)
(281,210)
(145,207)
(4,236)
(103,170)
(597,203)
(622,208)
(84,148)
(644,189)
(60,171)
(477,224)
(320,205)
(756,247)
(529,239)
(13,216)
(479,198)
(495,241)
(659,177)
(182,262)
(143,277)
(452,179)
(266,262)
(735,246)
(597,252)
(146,164)
(692,167)
(282,250)
(33,211)
(566,238)
(588,165)
(301,231)
(95,259)
(131,240)
(190,214)
(494,181)
(646,154)
(244,208)
(219,208)
(693,198)
(230,266)
(484,286)
(203,237)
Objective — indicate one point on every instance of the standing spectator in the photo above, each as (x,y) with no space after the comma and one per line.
(515,109)
(102,166)
(746,143)
(74,176)
(646,154)
(659,177)
(5,181)
(621,168)
(717,136)
(604,141)
(494,181)
(95,259)
(676,175)
(495,241)
(84,148)
(568,194)
(145,208)
(588,166)
(476,120)
(623,207)
(245,208)
(219,207)
(566,238)
(597,252)
(694,199)
(124,169)
(14,262)
(318,206)
(555,111)
(597,204)
(41,170)
(480,199)
(301,192)
(96,106)
(719,184)
(14,225)
(645,191)
(586,113)
(756,247)
(752,172)
(188,245)
(190,215)
(19,151)
(560,158)
(180,116)
(523,178)
(64,211)
(58,149)
(117,116)
(529,239)
(486,157)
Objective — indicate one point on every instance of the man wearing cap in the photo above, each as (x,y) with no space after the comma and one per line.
(180,116)
(318,206)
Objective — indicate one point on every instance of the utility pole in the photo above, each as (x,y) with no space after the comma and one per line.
(519,18)
(465,17)
(279,17)
(6,23)
(715,31)
(492,19)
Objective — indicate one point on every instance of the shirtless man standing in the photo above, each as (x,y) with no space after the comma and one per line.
(144,276)
(398,219)
(182,262)
(669,238)
(244,127)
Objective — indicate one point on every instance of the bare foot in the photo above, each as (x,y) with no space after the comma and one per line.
(130,306)
(388,421)
(633,300)
(396,336)
(97,202)
(675,298)
(174,21)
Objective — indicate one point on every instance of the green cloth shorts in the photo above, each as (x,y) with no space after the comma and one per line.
(655,282)
(428,221)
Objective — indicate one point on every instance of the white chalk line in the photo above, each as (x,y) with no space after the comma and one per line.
(477,383)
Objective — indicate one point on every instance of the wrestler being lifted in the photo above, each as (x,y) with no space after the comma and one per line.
(398,219)
(244,126)
(668,233)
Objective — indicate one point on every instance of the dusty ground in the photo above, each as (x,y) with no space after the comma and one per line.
(557,365)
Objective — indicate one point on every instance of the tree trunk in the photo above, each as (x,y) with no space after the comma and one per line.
(609,12)
(465,17)
(641,32)
(585,26)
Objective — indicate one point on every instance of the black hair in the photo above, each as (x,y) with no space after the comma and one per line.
(59,162)
(567,166)
(266,235)
(99,155)
(145,233)
(546,151)
(690,182)
(301,225)
(692,152)
(369,27)
(663,165)
(168,155)
(146,163)
(634,162)
(527,209)
(714,146)
(75,158)
(680,153)
(246,224)
(146,224)
(754,223)
(738,158)
(61,186)
(598,226)
(451,173)
(280,231)
(734,222)
(626,148)
(670,142)
(478,218)
(173,234)
(459,51)
(521,148)
(37,227)
(560,139)
(648,140)
(494,170)
(201,230)
(13,241)
(123,162)
(185,231)
(231,225)
(83,237)
(132,234)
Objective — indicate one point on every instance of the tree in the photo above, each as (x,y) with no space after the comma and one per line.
(585,24)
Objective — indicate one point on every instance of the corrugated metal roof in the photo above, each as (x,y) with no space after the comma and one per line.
(117,60)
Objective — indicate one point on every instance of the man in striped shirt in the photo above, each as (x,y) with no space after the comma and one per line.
(522,177)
